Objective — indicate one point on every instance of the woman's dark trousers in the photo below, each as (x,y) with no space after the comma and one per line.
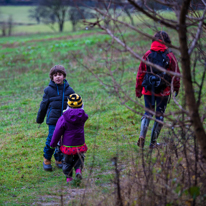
(161,104)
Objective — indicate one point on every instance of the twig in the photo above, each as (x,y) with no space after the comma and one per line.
(197,36)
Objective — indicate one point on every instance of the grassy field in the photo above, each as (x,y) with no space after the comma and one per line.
(25,63)
(111,129)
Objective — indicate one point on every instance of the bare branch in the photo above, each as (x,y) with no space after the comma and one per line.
(172,89)
(187,79)
(134,28)
(197,36)
(137,56)
(161,21)
(201,86)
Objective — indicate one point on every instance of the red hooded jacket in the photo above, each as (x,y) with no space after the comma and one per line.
(173,66)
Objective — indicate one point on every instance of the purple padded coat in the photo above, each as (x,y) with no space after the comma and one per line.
(71,126)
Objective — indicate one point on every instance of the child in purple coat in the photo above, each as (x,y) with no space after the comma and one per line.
(71,127)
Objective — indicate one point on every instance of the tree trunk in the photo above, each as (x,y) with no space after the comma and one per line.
(61,26)
(73,26)
(187,80)
(3,28)
(61,17)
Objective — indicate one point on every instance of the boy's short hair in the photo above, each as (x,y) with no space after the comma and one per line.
(162,35)
(55,69)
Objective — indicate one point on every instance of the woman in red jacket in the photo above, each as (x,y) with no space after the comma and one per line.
(160,99)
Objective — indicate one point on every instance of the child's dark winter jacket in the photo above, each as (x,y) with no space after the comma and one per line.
(71,126)
(54,102)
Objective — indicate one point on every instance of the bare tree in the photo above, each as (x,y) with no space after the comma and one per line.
(7,26)
(10,25)
(35,13)
(75,15)
(173,174)
(51,11)
(189,27)
(3,28)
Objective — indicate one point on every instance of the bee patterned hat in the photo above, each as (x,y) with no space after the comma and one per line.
(75,101)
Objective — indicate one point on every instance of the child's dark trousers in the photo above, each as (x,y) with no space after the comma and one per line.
(72,161)
(48,151)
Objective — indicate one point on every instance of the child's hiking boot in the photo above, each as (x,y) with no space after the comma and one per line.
(140,142)
(58,164)
(69,179)
(78,174)
(47,165)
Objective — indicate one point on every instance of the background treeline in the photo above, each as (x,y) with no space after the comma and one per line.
(95,3)
(55,13)
(36,2)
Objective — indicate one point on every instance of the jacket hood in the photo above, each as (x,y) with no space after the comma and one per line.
(75,116)
(157,46)
(52,84)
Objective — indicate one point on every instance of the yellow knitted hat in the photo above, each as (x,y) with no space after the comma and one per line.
(75,101)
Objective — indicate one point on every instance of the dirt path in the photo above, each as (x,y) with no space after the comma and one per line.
(52,200)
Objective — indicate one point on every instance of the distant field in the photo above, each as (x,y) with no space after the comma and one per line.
(41,28)
(20,14)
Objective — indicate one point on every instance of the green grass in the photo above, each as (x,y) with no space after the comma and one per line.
(25,62)
(24,67)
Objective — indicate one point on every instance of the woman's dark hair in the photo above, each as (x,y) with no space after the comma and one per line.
(162,35)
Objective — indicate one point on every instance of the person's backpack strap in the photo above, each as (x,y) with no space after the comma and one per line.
(169,98)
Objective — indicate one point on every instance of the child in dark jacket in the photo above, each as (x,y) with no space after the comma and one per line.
(71,126)
(53,103)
